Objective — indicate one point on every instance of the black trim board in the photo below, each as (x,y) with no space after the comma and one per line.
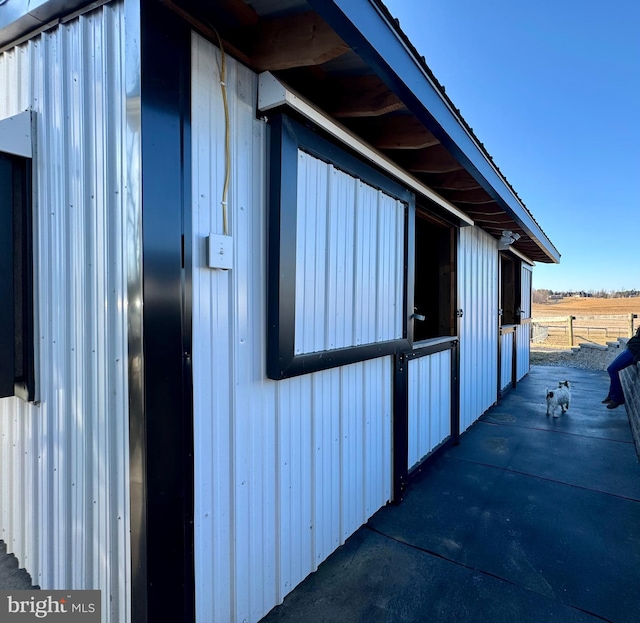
(7,323)
(287,137)
(162,536)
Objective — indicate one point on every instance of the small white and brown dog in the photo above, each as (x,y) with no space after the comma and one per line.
(560,397)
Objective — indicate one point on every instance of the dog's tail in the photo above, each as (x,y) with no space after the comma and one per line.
(549,393)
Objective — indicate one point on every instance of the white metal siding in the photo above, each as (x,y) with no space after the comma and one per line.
(285,470)
(64,502)
(429,404)
(524,330)
(349,260)
(506,359)
(478,298)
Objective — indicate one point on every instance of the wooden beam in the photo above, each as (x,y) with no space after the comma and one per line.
(457,180)
(243,12)
(391,132)
(435,159)
(208,31)
(295,41)
(361,96)
(500,224)
(482,214)
(477,196)
(402,132)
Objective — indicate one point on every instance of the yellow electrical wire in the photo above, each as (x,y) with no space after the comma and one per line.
(227,133)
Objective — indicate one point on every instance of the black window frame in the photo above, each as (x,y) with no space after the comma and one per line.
(17,377)
(287,137)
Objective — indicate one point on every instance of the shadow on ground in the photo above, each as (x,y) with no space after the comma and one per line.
(531,518)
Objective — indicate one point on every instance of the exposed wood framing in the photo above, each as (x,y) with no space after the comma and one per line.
(392,132)
(362,96)
(295,41)
(303,51)
(435,159)
(477,196)
(456,180)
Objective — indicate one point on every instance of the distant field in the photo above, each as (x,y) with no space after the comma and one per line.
(594,330)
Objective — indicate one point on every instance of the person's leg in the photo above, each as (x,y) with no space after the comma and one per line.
(622,361)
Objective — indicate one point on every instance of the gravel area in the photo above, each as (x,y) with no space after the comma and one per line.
(554,358)
(586,359)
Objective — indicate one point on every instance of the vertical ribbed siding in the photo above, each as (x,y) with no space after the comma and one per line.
(506,359)
(524,330)
(350,250)
(284,471)
(478,298)
(429,404)
(64,499)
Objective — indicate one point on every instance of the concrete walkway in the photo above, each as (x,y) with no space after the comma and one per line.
(530,519)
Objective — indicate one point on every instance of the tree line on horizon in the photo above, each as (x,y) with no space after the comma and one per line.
(541,295)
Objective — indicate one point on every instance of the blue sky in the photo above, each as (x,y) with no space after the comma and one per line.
(552,89)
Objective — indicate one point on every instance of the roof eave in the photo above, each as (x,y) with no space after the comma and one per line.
(365,27)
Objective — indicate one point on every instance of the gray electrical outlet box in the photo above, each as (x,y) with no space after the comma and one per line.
(219,251)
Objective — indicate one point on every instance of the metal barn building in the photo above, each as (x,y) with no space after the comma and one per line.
(255,269)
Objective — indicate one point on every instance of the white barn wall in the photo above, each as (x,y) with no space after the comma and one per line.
(429,418)
(524,330)
(285,470)
(64,500)
(478,298)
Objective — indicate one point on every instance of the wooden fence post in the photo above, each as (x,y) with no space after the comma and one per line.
(631,317)
(570,320)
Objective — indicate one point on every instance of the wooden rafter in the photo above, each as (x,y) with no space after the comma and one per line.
(392,132)
(208,31)
(298,40)
(361,96)
(402,132)
(477,196)
(456,180)
(435,159)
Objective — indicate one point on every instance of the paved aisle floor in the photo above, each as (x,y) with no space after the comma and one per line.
(529,519)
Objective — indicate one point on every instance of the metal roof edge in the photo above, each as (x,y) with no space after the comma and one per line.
(19,18)
(366,27)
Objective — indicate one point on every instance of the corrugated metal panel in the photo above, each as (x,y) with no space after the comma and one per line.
(478,298)
(350,248)
(506,359)
(429,404)
(285,471)
(524,330)
(523,343)
(64,499)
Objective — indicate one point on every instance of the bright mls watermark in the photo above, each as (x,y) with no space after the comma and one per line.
(60,606)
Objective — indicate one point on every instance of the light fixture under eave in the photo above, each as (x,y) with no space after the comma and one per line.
(507,239)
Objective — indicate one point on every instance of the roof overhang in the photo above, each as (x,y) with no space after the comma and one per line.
(369,29)
(273,95)
(351,62)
